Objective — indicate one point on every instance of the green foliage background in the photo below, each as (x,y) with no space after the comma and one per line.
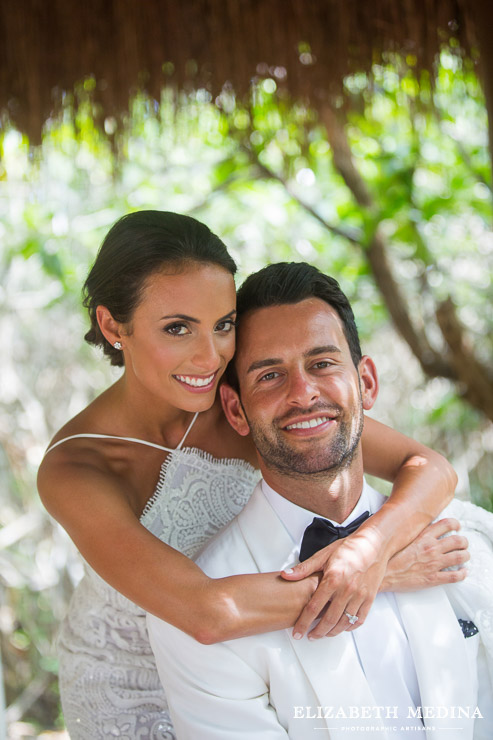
(262,176)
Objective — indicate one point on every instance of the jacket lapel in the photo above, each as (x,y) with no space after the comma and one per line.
(438,650)
(331,664)
(270,544)
(440,658)
(332,667)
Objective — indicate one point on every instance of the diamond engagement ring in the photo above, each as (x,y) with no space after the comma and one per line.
(352,618)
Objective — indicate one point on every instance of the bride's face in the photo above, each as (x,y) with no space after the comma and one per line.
(181,336)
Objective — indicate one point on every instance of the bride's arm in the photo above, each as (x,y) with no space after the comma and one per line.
(423,480)
(423,484)
(95,509)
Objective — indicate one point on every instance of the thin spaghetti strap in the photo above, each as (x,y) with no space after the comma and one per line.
(108,436)
(125,439)
(180,444)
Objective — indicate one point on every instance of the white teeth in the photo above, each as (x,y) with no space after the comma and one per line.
(309,424)
(195,382)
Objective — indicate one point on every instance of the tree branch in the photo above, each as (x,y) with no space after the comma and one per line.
(355,236)
(464,154)
(376,251)
(476,379)
(29,696)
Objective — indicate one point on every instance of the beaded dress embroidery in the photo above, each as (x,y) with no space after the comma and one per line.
(108,680)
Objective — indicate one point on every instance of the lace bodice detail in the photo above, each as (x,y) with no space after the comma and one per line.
(107,673)
(196,496)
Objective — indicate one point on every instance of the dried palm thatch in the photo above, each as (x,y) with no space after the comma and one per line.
(46,46)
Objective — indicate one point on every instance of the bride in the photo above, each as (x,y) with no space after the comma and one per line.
(139,503)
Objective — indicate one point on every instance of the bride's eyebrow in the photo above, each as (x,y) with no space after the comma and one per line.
(181,316)
(184,317)
(228,315)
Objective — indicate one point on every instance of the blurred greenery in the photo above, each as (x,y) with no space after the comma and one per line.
(265,177)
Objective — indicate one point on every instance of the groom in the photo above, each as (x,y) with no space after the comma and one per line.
(299,386)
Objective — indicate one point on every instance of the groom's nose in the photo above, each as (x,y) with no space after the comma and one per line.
(302,389)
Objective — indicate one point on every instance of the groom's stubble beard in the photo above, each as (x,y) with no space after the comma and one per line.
(322,460)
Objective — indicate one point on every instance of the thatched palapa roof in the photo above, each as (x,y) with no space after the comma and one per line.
(46,46)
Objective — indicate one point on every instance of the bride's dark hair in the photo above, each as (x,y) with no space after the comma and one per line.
(138,245)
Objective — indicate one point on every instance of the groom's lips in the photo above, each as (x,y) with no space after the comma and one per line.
(307,426)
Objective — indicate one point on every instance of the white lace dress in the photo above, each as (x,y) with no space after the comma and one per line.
(108,680)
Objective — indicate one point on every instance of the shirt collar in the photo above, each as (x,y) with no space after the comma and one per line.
(296,519)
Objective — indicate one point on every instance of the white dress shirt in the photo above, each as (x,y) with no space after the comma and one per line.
(381,642)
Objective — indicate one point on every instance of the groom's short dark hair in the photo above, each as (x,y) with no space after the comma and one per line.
(291,282)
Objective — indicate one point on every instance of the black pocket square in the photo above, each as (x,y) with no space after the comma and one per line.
(469,629)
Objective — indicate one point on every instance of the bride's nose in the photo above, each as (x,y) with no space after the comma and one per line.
(206,356)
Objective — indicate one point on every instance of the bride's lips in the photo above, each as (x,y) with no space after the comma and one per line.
(197,383)
(305,426)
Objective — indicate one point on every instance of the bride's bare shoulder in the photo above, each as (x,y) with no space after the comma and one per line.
(69,459)
(96,418)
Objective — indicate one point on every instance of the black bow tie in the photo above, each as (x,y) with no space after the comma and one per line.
(321,533)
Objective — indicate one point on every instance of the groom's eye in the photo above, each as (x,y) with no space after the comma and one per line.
(269,376)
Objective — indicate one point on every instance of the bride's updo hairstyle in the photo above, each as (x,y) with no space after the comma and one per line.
(138,245)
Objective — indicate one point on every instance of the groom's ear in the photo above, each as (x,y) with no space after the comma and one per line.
(233,409)
(368,382)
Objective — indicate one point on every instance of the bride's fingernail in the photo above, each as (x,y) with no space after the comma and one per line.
(288,570)
(297,636)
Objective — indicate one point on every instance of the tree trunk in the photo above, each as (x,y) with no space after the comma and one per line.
(457,361)
(483,16)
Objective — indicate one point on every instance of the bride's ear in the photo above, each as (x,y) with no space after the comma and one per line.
(111,329)
(233,409)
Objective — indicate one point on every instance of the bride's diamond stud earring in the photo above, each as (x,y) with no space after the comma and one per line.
(117,345)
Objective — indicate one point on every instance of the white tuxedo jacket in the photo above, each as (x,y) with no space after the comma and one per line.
(271,686)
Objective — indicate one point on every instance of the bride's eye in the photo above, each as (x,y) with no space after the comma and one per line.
(177,330)
(226,326)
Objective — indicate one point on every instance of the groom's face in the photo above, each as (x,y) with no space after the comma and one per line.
(302,397)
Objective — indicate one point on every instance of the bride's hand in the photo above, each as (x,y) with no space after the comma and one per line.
(353,569)
(421,564)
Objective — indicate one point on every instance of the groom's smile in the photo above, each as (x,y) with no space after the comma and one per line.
(299,388)
(314,421)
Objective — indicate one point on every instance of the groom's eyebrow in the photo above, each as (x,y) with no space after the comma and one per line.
(325,349)
(258,364)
